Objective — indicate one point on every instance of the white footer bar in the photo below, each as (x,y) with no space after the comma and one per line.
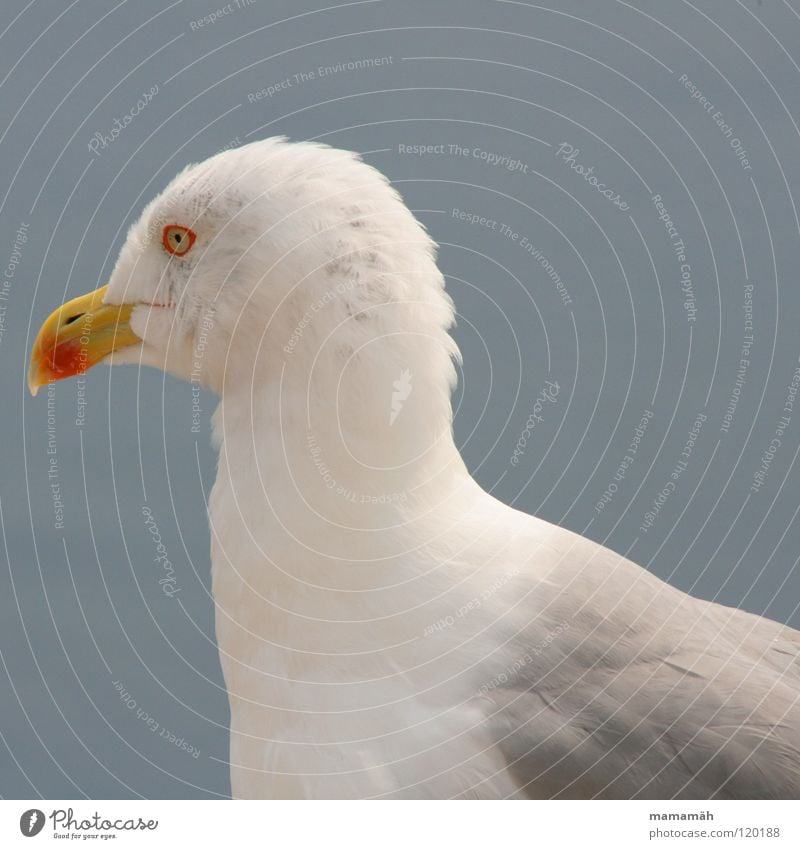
(401,825)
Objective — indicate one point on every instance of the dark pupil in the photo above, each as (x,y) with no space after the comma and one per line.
(177,237)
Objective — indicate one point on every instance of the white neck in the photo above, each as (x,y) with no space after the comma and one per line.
(358,447)
(338,533)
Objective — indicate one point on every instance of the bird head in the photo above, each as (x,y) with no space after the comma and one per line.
(270,256)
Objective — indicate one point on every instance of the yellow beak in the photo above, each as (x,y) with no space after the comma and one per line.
(77,336)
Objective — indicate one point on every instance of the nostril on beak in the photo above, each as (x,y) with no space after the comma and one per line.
(74,317)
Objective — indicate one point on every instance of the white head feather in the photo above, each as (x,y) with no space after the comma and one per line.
(306,263)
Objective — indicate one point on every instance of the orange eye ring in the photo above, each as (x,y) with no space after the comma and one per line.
(177,240)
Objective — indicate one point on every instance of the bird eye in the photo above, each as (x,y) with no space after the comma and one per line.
(178,240)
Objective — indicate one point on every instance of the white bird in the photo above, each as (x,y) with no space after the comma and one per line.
(386,628)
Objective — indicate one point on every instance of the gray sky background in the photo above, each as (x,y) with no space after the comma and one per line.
(85,629)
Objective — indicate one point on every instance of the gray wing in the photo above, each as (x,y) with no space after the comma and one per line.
(652,694)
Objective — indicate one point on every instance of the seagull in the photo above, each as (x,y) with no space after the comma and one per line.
(386,628)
